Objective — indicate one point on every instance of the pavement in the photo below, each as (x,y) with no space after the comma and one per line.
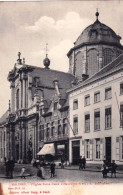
(69,173)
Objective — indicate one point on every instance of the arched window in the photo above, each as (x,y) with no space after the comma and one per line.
(70,64)
(17,99)
(79,64)
(107,56)
(92,62)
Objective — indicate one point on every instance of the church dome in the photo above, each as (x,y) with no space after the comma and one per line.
(98,33)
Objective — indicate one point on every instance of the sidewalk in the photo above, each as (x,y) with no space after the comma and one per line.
(89,167)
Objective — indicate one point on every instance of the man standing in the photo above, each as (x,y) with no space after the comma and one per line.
(84,162)
(80,163)
(113,168)
(52,168)
(62,162)
(11,164)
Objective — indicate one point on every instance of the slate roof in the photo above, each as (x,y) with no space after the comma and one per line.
(103,33)
(114,66)
(47,76)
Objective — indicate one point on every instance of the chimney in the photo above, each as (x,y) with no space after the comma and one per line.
(84,77)
(56,86)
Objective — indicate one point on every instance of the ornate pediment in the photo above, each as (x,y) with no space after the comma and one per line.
(12,74)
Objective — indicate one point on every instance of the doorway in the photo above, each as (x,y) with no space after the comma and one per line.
(75,152)
(108,149)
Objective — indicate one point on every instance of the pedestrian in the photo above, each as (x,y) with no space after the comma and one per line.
(42,173)
(23,173)
(7,167)
(52,169)
(80,163)
(83,162)
(62,162)
(113,168)
(39,172)
(11,165)
(104,169)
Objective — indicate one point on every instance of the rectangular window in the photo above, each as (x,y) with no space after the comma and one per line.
(97,148)
(87,123)
(121,115)
(96,97)
(41,133)
(108,118)
(87,148)
(65,126)
(121,88)
(75,104)
(75,125)
(97,120)
(48,130)
(52,128)
(87,100)
(59,127)
(108,93)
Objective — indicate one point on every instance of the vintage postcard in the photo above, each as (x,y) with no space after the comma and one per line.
(61,98)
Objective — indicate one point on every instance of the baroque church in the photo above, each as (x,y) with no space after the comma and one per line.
(55,109)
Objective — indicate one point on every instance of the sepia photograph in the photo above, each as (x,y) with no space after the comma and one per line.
(61,97)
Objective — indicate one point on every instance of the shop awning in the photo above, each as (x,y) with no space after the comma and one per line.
(47,149)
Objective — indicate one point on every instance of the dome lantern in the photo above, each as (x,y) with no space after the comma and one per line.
(46,61)
(97,14)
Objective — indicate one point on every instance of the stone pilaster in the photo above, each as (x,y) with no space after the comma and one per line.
(20,144)
(100,57)
(84,66)
(12,87)
(24,93)
(29,90)
(23,144)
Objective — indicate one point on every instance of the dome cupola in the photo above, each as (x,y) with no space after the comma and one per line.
(96,46)
(98,33)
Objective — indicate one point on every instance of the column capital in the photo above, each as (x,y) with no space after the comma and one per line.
(24,76)
(12,84)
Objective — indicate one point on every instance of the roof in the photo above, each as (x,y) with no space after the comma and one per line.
(114,66)
(46,81)
(97,32)
(4,117)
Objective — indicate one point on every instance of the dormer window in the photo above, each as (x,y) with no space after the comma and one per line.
(55,106)
(37,81)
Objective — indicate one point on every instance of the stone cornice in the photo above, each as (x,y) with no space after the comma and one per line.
(94,43)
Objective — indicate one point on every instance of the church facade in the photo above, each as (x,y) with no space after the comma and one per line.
(38,107)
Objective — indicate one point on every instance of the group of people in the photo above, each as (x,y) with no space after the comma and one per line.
(82,162)
(41,170)
(109,167)
(9,167)
(106,168)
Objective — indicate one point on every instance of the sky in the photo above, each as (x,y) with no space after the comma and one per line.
(26,27)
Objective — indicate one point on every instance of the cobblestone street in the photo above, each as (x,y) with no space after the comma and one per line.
(71,174)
